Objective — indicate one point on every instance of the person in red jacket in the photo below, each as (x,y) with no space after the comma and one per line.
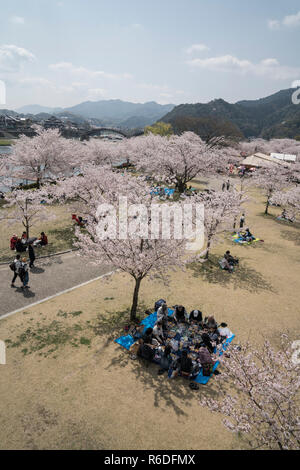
(44,239)
(13,242)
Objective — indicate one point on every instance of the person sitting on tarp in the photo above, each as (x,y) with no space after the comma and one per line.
(206,341)
(147,337)
(184,366)
(210,322)
(206,361)
(163,315)
(13,242)
(247,236)
(180,314)
(224,331)
(145,351)
(158,333)
(195,317)
(166,359)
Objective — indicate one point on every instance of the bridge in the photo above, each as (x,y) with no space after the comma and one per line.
(86,134)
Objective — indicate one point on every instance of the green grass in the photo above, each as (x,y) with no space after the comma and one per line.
(5,142)
(45,339)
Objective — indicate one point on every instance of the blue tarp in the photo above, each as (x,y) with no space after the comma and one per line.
(167,191)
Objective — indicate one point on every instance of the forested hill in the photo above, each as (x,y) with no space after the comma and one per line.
(273,116)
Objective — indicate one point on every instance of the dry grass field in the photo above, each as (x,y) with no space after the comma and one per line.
(67,385)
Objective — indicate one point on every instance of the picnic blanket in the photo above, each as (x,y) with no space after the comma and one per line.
(149,322)
(240,240)
(167,191)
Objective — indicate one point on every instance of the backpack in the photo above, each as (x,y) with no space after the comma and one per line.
(22,272)
(13,266)
(158,304)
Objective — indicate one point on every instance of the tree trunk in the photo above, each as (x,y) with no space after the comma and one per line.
(207,249)
(135,299)
(267,205)
(181,187)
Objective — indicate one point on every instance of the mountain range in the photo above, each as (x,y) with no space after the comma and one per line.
(107,112)
(273,116)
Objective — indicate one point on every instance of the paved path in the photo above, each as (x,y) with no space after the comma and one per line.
(50,276)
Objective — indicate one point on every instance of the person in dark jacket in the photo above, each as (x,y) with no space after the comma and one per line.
(184,365)
(180,314)
(147,337)
(31,256)
(195,317)
(166,359)
(207,342)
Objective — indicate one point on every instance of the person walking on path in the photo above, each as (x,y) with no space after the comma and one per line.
(228,185)
(17,263)
(24,275)
(223,186)
(31,256)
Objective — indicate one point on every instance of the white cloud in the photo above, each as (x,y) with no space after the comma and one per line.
(269,67)
(274,24)
(292,20)
(36,81)
(12,58)
(289,21)
(17,20)
(197,48)
(96,93)
(87,73)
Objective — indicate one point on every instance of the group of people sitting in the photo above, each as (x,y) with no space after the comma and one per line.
(21,244)
(246,236)
(184,358)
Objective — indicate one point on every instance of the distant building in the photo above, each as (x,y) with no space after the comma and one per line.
(284,157)
(13,123)
(260,160)
(53,123)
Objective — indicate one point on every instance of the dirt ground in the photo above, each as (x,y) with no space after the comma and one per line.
(67,385)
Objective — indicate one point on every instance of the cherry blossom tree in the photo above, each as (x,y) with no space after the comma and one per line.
(220,211)
(46,156)
(271,179)
(26,207)
(286,146)
(97,151)
(248,148)
(178,159)
(120,224)
(262,402)
(289,201)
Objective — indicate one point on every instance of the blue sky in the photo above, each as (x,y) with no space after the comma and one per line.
(60,53)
